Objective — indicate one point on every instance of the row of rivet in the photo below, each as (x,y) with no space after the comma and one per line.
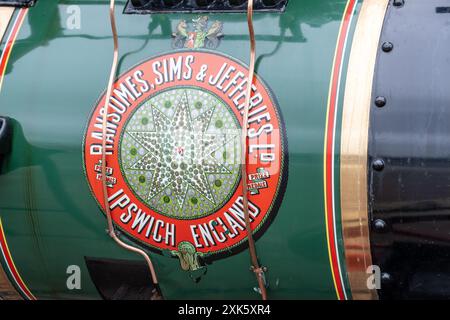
(379,225)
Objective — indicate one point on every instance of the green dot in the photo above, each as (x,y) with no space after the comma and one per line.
(167,104)
(141,179)
(183,166)
(215,223)
(218,183)
(194,200)
(225,155)
(166,199)
(144,121)
(219,124)
(133,152)
(198,105)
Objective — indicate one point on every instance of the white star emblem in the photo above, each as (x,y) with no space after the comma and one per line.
(180,153)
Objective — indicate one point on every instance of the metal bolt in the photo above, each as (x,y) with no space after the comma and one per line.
(378,165)
(387,46)
(380,102)
(386,278)
(399,3)
(379,225)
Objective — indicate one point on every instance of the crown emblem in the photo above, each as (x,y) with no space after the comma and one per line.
(201,36)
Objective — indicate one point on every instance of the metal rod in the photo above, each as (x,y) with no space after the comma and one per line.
(259,272)
(111,230)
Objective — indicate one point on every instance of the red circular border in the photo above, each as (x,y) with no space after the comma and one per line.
(268,200)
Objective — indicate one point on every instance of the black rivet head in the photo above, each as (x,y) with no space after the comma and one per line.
(386,278)
(380,102)
(378,165)
(399,3)
(379,225)
(387,46)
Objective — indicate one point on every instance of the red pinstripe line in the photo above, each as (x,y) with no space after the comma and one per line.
(10,42)
(3,243)
(12,267)
(330,130)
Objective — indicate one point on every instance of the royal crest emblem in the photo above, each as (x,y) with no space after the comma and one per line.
(173,149)
(201,37)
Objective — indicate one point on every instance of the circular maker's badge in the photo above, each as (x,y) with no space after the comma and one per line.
(174,155)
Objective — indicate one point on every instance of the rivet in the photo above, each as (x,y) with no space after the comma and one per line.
(378,165)
(380,102)
(386,278)
(379,225)
(399,3)
(387,46)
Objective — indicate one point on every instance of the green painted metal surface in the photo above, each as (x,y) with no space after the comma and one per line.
(54,77)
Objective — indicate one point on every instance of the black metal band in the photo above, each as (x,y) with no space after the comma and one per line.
(409,152)
(17,3)
(201,6)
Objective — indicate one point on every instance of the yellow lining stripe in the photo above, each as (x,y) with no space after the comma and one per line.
(354,145)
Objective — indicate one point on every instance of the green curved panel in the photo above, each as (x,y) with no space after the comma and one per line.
(55,76)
